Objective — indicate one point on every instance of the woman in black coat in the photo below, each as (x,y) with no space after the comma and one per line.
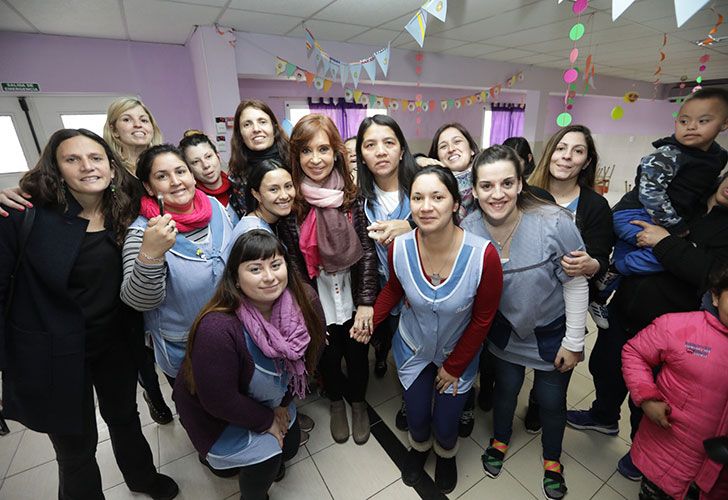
(65,332)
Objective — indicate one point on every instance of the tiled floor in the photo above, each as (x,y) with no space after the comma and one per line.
(325,470)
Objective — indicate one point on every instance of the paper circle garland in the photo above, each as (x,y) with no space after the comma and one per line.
(630,97)
(570,75)
(574,55)
(704,58)
(418,120)
(563,120)
(580,6)
(425,107)
(699,79)
(577,31)
(318,83)
(469,101)
(702,67)
(394,105)
(458,104)
(348,95)
(411,106)
(617,113)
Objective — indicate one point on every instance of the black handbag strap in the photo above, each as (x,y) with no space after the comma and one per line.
(27,225)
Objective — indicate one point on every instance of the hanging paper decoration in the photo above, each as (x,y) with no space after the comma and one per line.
(630,97)
(710,39)
(617,113)
(280,66)
(571,74)
(344,69)
(417,26)
(437,8)
(684,9)
(355,69)
(370,67)
(334,68)
(419,103)
(382,57)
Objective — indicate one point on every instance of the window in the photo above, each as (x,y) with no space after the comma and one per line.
(487,124)
(93,122)
(13,157)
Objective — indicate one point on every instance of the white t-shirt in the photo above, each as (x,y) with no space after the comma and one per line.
(387,199)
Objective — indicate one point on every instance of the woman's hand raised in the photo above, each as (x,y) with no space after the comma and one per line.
(159,237)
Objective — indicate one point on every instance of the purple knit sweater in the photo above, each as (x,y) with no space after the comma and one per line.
(223,369)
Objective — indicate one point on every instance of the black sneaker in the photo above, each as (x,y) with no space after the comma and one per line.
(159,411)
(218,472)
(161,487)
(532,422)
(414,466)
(305,422)
(467,420)
(446,474)
(400,421)
(492,461)
(554,484)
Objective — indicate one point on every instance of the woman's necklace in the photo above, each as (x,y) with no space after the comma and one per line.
(505,241)
(437,278)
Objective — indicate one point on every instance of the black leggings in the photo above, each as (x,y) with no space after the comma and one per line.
(341,345)
(255,480)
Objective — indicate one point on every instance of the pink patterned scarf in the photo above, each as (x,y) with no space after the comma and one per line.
(200,217)
(284,338)
(327,237)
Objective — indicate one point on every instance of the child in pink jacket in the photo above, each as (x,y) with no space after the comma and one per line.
(687,402)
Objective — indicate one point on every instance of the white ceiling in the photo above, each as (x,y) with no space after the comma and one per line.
(521,31)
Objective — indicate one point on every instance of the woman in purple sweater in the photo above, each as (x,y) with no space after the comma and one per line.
(248,354)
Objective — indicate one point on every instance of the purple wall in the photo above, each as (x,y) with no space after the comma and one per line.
(160,74)
(276,92)
(644,117)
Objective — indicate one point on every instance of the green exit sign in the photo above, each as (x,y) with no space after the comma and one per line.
(20,87)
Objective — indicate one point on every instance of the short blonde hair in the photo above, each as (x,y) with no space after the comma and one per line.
(118,108)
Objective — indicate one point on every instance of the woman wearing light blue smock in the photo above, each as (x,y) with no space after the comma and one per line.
(385,170)
(451,282)
(542,314)
(171,260)
(248,355)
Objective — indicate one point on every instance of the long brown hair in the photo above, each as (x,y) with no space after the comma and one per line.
(253,245)
(541,176)
(120,202)
(239,152)
(304,131)
(118,108)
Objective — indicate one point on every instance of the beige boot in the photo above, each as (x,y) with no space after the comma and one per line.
(360,422)
(339,422)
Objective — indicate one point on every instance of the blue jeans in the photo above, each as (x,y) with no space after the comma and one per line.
(549,389)
(628,257)
(423,418)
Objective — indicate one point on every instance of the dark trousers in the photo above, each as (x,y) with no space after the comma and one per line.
(487,369)
(144,357)
(382,338)
(341,345)
(113,373)
(424,418)
(255,480)
(605,365)
(550,392)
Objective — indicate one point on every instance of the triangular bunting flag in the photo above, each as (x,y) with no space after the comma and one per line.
(371,68)
(334,68)
(619,6)
(417,27)
(357,95)
(290,69)
(326,61)
(327,85)
(318,60)
(309,78)
(382,57)
(372,101)
(355,73)
(344,72)
(685,9)
(451,103)
(309,43)
(437,8)
(280,66)
(299,74)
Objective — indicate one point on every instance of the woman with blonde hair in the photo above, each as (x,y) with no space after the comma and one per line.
(130,128)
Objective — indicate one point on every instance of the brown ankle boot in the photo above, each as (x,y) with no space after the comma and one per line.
(339,422)
(360,422)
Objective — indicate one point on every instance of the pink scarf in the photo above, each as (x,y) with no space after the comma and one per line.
(327,237)
(284,338)
(200,217)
